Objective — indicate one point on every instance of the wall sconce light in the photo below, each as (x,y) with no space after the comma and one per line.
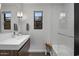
(62,15)
(19,14)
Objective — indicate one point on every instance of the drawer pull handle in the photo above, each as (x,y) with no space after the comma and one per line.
(4,53)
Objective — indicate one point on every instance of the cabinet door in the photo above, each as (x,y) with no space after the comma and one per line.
(8,53)
(5,53)
(24,49)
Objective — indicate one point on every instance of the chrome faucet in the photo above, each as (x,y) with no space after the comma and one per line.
(13,34)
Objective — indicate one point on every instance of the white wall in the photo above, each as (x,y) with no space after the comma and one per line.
(55,11)
(50,23)
(38,37)
(69,31)
(0,20)
(13,8)
(67,37)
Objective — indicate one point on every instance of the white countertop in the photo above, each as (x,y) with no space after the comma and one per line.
(15,43)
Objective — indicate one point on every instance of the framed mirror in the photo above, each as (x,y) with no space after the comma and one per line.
(38,18)
(7,20)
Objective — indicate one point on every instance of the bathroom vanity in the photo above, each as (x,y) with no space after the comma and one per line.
(14,46)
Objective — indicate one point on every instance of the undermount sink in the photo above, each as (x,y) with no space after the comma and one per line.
(12,43)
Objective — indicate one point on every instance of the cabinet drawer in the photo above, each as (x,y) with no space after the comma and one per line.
(24,49)
(26,46)
(23,53)
(8,52)
(5,53)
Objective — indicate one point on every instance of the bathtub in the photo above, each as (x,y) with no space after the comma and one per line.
(62,50)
